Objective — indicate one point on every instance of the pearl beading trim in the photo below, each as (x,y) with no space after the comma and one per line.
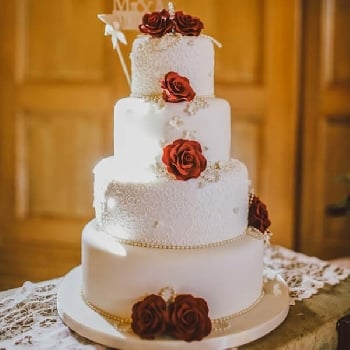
(156,97)
(249,231)
(219,324)
(121,323)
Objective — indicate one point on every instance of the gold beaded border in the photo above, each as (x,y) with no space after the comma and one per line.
(219,324)
(122,323)
(156,97)
(250,231)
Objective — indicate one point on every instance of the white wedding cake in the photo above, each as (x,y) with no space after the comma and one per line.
(176,248)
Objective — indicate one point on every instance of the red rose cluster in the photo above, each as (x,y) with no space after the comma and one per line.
(176,88)
(160,23)
(258,216)
(185,318)
(184,159)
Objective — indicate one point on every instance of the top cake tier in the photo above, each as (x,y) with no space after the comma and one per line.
(189,56)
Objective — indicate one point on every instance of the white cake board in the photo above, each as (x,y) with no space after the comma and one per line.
(262,319)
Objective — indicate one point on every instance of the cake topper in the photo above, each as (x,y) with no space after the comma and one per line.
(171,9)
(126,15)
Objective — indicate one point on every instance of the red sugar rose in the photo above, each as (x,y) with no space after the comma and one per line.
(184,159)
(156,23)
(188,318)
(176,88)
(187,25)
(258,215)
(149,317)
(184,318)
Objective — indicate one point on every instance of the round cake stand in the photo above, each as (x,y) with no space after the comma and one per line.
(262,319)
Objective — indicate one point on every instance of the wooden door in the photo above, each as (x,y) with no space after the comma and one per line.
(56,102)
(59,81)
(325,129)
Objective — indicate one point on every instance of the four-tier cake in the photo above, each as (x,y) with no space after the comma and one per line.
(176,247)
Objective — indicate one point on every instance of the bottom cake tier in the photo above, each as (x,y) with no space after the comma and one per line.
(116,276)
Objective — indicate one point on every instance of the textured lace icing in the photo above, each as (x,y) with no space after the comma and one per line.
(131,211)
(29,318)
(153,57)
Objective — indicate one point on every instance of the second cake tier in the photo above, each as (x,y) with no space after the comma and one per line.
(143,128)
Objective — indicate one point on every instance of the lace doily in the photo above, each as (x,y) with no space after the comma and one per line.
(29,318)
(304,275)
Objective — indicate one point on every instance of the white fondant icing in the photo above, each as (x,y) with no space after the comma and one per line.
(190,56)
(142,129)
(169,212)
(115,275)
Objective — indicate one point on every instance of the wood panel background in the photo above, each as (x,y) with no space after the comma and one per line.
(56,125)
(325,128)
(60,79)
